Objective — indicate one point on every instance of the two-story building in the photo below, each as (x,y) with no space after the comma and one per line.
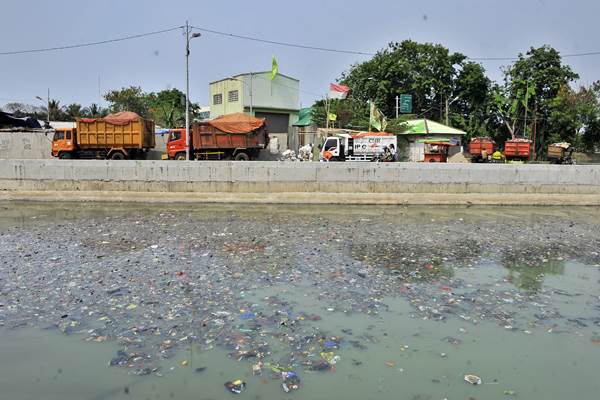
(256,94)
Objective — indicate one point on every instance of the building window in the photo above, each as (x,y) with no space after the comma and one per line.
(233,96)
(218,99)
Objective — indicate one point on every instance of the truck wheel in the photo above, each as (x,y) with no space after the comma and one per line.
(117,156)
(242,157)
(180,157)
(65,156)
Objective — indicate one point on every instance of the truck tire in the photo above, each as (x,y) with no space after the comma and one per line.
(65,156)
(117,156)
(241,156)
(180,157)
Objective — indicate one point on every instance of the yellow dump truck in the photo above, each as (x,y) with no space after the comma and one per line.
(118,136)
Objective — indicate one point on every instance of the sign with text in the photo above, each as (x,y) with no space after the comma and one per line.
(405,103)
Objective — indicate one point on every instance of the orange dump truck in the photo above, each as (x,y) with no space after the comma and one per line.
(235,136)
(517,149)
(119,136)
(481,149)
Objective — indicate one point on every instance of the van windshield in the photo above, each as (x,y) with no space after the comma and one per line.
(331,143)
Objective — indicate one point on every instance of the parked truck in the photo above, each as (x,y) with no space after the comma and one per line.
(561,153)
(365,146)
(119,136)
(235,136)
(481,149)
(518,149)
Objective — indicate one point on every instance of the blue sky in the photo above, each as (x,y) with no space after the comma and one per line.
(482,28)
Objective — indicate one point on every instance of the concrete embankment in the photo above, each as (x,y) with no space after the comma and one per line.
(280,182)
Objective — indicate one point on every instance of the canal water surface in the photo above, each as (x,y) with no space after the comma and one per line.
(129,302)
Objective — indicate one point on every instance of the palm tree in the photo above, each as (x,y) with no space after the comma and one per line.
(94,110)
(74,111)
(56,110)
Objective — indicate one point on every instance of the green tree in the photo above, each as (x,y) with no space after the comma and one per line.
(424,70)
(351,113)
(57,112)
(575,117)
(531,85)
(95,111)
(131,98)
(74,111)
(470,107)
(431,74)
(167,108)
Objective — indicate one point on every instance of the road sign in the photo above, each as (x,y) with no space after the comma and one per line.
(405,103)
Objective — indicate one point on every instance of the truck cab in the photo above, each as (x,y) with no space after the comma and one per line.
(333,149)
(63,142)
(176,144)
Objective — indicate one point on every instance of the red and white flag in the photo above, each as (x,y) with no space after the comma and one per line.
(339,92)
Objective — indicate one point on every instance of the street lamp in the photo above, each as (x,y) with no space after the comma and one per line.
(188,37)
(448,103)
(250,88)
(48,107)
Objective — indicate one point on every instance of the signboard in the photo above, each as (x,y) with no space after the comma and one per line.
(405,103)
(373,144)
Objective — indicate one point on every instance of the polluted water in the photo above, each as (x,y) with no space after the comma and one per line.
(202,302)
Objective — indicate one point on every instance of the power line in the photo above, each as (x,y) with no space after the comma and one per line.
(286,44)
(590,53)
(362,53)
(75,46)
(255,39)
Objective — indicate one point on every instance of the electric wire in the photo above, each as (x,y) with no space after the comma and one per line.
(285,44)
(255,39)
(75,46)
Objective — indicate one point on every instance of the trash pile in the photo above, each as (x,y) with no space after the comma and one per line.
(288,155)
(158,282)
(305,153)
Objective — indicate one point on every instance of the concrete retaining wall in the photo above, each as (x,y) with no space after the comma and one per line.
(37,145)
(26,145)
(365,180)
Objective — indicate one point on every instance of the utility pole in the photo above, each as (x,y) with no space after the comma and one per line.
(397,106)
(534,131)
(187,87)
(526,101)
(187,91)
(447,106)
(251,93)
(327,113)
(48,108)
(370,114)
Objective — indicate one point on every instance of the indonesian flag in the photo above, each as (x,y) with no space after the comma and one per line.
(339,92)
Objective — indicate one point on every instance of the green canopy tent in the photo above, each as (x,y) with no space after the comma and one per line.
(419,132)
(428,127)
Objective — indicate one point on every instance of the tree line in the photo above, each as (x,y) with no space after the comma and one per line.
(535,98)
(166,107)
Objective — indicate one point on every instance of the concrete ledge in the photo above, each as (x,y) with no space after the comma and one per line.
(498,199)
(285,182)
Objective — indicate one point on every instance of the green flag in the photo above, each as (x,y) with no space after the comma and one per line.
(377,119)
(275,69)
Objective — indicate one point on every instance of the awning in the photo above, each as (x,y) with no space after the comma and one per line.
(428,127)
(304,117)
(440,141)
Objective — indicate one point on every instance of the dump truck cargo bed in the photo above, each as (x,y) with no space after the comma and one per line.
(135,133)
